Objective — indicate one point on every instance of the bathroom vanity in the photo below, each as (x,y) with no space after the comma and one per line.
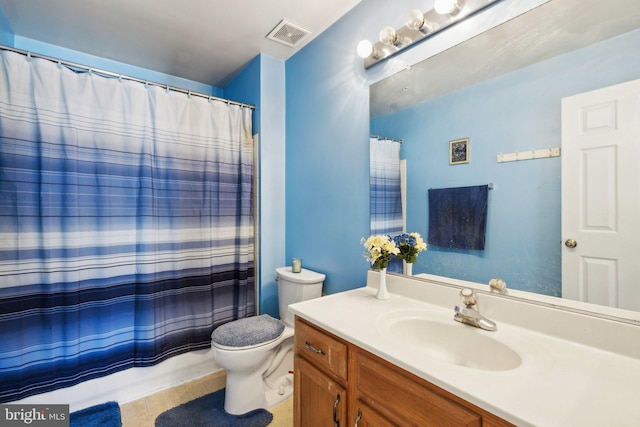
(333,375)
(360,361)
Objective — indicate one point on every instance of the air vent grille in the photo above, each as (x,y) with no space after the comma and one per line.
(288,33)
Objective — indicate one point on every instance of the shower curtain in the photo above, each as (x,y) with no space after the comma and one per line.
(385,196)
(126,223)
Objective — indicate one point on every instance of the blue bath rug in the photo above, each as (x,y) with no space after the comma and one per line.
(208,411)
(104,415)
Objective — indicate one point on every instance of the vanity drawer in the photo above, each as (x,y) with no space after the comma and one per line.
(325,351)
(405,400)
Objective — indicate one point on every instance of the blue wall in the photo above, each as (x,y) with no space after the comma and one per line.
(515,112)
(6,32)
(263,80)
(327,158)
(245,87)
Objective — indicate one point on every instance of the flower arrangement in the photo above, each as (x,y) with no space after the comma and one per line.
(379,249)
(409,245)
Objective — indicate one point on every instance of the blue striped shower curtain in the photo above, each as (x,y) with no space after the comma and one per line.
(126,224)
(385,196)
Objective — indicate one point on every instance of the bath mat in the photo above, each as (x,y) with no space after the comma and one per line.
(104,415)
(208,411)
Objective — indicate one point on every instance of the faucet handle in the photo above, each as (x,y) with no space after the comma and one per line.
(498,285)
(469,297)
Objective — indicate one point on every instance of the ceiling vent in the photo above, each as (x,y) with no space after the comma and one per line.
(288,33)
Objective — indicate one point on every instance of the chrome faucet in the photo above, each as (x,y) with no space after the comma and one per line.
(469,313)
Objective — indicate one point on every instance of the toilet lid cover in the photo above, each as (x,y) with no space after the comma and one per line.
(248,331)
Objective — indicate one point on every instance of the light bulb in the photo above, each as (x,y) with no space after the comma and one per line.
(364,49)
(415,20)
(388,35)
(444,7)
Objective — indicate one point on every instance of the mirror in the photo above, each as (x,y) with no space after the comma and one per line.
(502,90)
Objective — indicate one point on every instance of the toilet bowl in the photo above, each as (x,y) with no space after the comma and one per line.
(248,379)
(257,352)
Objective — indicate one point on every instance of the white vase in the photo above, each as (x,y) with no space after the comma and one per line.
(382,285)
(408,268)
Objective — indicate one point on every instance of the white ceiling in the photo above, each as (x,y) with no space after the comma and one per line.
(207,41)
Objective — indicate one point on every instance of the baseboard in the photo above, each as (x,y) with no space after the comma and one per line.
(132,384)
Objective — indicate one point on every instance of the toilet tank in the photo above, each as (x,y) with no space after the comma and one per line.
(296,287)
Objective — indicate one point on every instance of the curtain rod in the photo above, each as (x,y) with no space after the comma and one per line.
(106,73)
(384,137)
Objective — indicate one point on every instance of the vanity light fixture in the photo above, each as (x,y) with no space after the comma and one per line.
(418,26)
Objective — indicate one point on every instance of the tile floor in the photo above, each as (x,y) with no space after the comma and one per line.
(143,412)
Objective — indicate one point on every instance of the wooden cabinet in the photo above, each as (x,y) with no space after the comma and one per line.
(320,372)
(339,384)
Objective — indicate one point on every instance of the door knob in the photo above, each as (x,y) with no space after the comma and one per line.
(570,243)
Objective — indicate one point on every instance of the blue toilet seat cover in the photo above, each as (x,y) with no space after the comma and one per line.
(248,331)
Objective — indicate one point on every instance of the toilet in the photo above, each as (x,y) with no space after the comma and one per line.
(257,351)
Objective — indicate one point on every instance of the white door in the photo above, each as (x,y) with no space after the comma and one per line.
(601,196)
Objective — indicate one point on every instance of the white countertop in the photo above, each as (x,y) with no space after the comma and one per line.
(559,383)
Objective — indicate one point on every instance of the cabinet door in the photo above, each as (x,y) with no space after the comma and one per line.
(365,416)
(318,400)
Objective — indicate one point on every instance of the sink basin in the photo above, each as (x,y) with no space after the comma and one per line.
(448,341)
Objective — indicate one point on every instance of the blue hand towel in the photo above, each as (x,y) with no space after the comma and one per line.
(458,217)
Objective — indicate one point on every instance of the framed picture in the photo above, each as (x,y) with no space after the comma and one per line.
(459,151)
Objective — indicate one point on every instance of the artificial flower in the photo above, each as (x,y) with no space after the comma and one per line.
(409,246)
(379,249)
